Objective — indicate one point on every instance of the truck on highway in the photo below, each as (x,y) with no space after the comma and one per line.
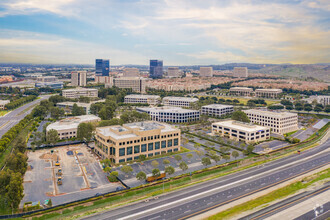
(151,178)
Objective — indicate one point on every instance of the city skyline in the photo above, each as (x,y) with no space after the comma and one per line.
(180,33)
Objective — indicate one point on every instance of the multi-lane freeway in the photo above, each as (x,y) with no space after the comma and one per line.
(197,199)
(12,118)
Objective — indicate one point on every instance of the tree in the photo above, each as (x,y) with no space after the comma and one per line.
(20,145)
(113,176)
(52,136)
(240,116)
(56,112)
(327,108)
(141,176)
(142,157)
(38,138)
(216,158)
(212,153)
(133,116)
(206,161)
(197,145)
(183,166)
(199,153)
(235,154)
(155,172)
(189,156)
(39,111)
(226,157)
(15,190)
(85,131)
(318,109)
(127,169)
(107,169)
(243,145)
(106,112)
(178,157)
(155,163)
(166,162)
(76,110)
(84,99)
(249,149)
(169,170)
(308,107)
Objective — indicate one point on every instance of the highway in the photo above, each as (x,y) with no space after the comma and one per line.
(12,118)
(199,198)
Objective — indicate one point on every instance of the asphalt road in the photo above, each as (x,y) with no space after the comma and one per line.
(202,197)
(287,203)
(311,214)
(12,118)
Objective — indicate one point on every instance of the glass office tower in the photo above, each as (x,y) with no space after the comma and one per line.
(102,67)
(156,69)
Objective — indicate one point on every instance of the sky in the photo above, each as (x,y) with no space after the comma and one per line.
(180,32)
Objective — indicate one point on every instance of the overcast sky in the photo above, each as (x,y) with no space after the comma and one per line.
(181,32)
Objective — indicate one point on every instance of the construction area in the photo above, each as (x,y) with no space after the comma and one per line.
(64,174)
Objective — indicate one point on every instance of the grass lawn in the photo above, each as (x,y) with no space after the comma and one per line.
(3,112)
(245,100)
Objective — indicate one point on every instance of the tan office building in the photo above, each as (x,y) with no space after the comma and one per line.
(3,103)
(240,72)
(148,99)
(67,128)
(279,122)
(103,79)
(131,72)
(206,71)
(137,84)
(47,79)
(240,131)
(178,101)
(268,93)
(77,92)
(241,91)
(79,78)
(67,106)
(173,72)
(129,141)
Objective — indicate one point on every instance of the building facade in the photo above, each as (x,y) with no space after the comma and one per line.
(173,72)
(67,128)
(102,67)
(129,141)
(241,91)
(171,114)
(79,78)
(103,79)
(240,131)
(279,122)
(3,103)
(178,101)
(76,93)
(131,72)
(137,84)
(321,99)
(268,93)
(52,85)
(217,110)
(240,72)
(47,79)
(156,69)
(206,71)
(148,99)
(67,106)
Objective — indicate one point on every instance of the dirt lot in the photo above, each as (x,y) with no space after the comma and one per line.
(81,172)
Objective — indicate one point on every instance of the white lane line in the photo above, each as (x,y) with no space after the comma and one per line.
(229,196)
(247,189)
(209,203)
(187,211)
(262,184)
(220,187)
(154,217)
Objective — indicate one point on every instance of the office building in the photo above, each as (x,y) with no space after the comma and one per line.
(241,131)
(67,128)
(129,141)
(171,114)
(137,84)
(179,101)
(77,92)
(240,72)
(241,91)
(103,79)
(268,93)
(147,99)
(217,110)
(3,103)
(79,78)
(156,69)
(173,72)
(321,99)
(102,67)
(131,72)
(67,106)
(52,85)
(46,79)
(279,122)
(206,71)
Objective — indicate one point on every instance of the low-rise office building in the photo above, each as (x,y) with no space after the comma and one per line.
(179,101)
(279,122)
(171,114)
(67,106)
(240,72)
(148,99)
(52,85)
(241,131)
(3,103)
(241,91)
(137,84)
(131,72)
(173,72)
(321,99)
(217,110)
(67,128)
(206,71)
(45,79)
(268,93)
(129,141)
(78,92)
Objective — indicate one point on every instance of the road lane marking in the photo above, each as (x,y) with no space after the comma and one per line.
(220,187)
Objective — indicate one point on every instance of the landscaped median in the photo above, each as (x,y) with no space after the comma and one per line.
(275,195)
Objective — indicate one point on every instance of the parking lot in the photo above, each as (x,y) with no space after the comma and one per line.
(81,172)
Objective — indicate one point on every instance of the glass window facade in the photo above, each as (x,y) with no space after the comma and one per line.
(169,143)
(129,150)
(143,147)
(121,151)
(150,146)
(163,144)
(137,149)
(157,145)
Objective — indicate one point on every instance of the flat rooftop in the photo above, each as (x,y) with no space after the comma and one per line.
(143,96)
(219,106)
(270,113)
(242,126)
(175,98)
(166,109)
(79,89)
(72,123)
(243,88)
(269,90)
